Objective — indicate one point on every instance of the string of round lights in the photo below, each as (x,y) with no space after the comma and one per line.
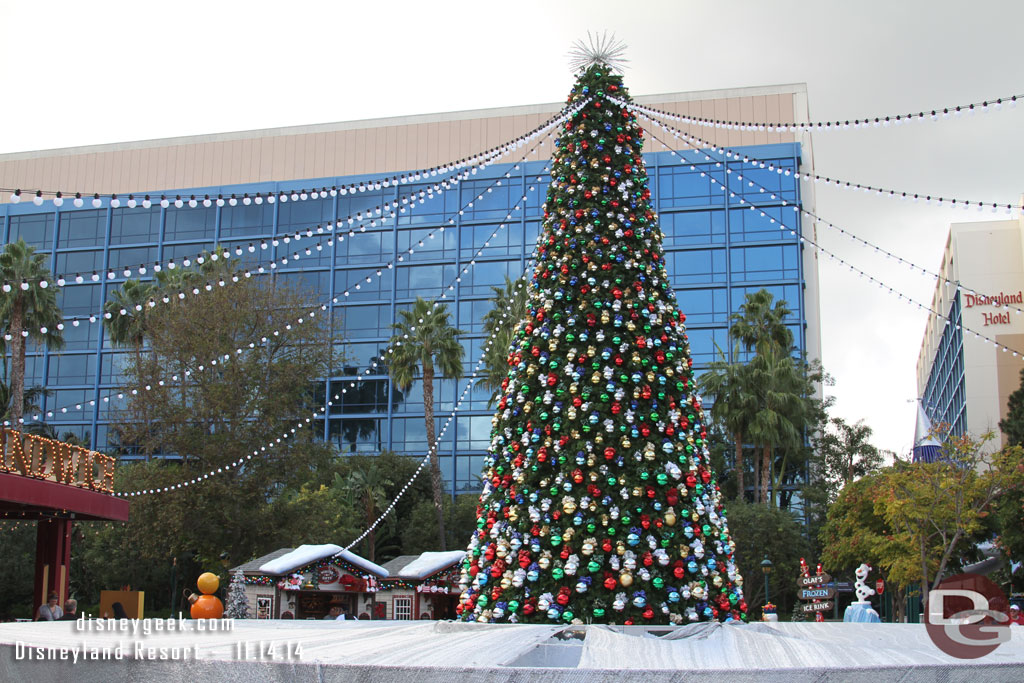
(308,421)
(379,213)
(650,115)
(883,121)
(807,240)
(143,200)
(225,253)
(810,214)
(323,307)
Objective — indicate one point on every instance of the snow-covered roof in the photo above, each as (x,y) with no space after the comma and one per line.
(362,563)
(301,556)
(430,563)
(253,566)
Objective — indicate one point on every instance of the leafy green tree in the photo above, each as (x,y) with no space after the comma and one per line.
(29,312)
(855,532)
(778,386)
(369,487)
(509,306)
(845,454)
(734,407)
(760,323)
(1012,425)
(425,342)
(761,531)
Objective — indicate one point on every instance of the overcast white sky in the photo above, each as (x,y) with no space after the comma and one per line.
(86,73)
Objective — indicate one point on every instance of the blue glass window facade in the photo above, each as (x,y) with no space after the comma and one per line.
(945,398)
(717,251)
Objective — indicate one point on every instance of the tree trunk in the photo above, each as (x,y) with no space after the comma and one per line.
(766,474)
(738,438)
(17,408)
(435,465)
(372,536)
(924,574)
(777,481)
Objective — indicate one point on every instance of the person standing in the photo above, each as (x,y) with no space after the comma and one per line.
(50,611)
(70,610)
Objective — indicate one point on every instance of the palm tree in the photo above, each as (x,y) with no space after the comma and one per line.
(777,384)
(29,311)
(734,406)
(758,324)
(127,308)
(424,340)
(508,309)
(368,486)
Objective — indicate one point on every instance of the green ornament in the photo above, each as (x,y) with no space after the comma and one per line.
(557,573)
(658,582)
(599,612)
(556,540)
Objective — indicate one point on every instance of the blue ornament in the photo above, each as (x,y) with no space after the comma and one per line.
(673,596)
(691,566)
(633,539)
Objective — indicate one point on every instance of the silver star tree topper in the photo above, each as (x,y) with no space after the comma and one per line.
(598,49)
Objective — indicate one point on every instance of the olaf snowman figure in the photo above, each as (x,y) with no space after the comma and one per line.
(861,611)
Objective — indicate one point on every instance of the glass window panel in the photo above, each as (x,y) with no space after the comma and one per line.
(34,370)
(474,432)
(681,186)
(35,228)
(359,355)
(63,404)
(79,300)
(247,259)
(500,241)
(121,258)
(355,281)
(703,343)
(761,183)
(74,368)
(489,199)
(80,338)
(426,205)
(178,252)
(478,398)
(425,281)
(81,432)
(365,247)
(469,470)
(82,228)
(134,225)
(292,216)
(367,396)
(357,435)
(697,266)
(471,314)
(113,367)
(311,282)
(247,221)
(788,293)
(687,228)
(765,263)
(484,275)
(532,230)
(365,321)
(751,226)
(704,305)
(84,262)
(440,246)
(190,224)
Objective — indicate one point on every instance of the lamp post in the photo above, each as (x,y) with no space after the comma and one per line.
(766,567)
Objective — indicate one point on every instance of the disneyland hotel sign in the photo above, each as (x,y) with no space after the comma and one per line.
(997,300)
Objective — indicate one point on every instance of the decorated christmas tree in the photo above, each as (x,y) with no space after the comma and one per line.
(599,502)
(238,602)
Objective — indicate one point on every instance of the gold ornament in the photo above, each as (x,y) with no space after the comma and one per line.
(626,579)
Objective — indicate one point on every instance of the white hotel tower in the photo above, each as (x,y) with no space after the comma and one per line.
(964,379)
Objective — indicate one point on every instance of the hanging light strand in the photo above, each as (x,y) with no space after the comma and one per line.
(810,214)
(323,307)
(309,420)
(372,217)
(902,195)
(806,240)
(144,200)
(881,121)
